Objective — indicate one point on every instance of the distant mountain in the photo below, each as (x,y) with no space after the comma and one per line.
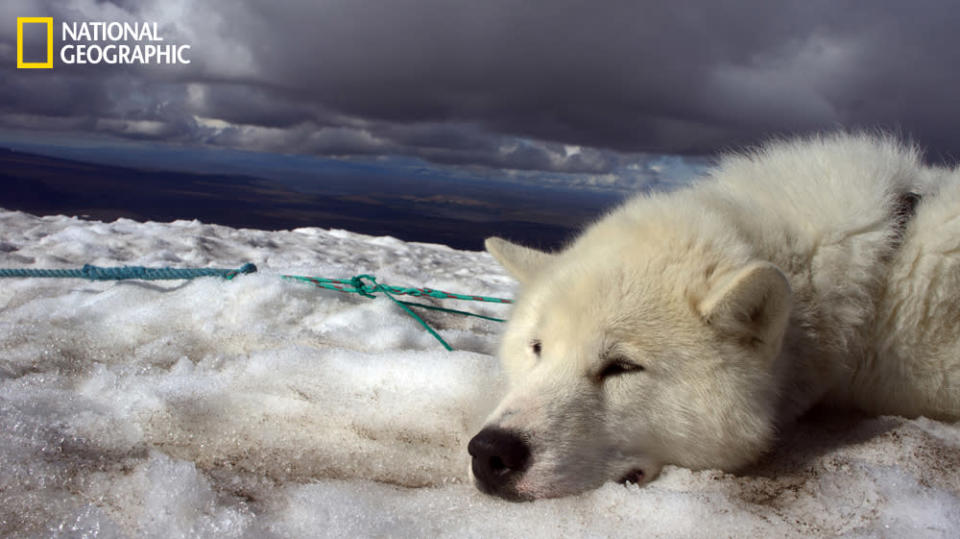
(456,213)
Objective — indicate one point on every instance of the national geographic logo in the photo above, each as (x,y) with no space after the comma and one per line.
(110,43)
(48,23)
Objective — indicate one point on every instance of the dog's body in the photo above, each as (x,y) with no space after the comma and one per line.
(684,328)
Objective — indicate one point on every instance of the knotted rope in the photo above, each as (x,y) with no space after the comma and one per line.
(364,285)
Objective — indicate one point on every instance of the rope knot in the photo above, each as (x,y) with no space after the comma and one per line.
(249,267)
(363,288)
(89,271)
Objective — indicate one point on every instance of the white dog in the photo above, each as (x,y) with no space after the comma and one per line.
(684,328)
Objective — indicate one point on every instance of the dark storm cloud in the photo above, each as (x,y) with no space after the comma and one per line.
(557,86)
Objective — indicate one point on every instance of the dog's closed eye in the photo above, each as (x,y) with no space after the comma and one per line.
(618,367)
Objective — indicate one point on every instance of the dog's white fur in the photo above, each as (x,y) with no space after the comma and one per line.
(780,280)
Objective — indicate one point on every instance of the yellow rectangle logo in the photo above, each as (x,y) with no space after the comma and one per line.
(34,20)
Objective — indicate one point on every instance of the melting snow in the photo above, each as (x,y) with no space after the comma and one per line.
(266,408)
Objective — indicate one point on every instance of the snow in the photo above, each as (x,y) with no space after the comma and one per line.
(261,407)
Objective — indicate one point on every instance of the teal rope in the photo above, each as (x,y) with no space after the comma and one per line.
(97,273)
(357,285)
(367,286)
(364,285)
(454,311)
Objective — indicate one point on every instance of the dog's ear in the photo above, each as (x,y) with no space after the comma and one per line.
(751,304)
(521,262)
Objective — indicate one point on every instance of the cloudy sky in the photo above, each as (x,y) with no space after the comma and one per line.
(595,92)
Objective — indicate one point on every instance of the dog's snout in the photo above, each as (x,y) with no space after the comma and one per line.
(499,456)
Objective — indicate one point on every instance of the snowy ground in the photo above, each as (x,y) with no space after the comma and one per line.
(265,408)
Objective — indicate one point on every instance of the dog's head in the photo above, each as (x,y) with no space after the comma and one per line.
(621,360)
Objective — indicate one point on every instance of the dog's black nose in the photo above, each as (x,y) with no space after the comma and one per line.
(499,456)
